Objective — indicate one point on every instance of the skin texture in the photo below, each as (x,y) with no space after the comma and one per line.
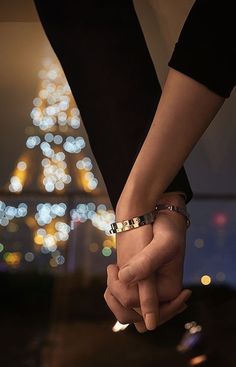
(159,249)
(155,253)
(185,110)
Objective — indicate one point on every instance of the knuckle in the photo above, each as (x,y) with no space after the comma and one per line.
(105,295)
(127,302)
(146,257)
(146,263)
(148,303)
(109,267)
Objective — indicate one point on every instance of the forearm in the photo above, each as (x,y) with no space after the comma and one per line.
(185,110)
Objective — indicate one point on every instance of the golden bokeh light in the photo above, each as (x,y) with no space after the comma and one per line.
(206,280)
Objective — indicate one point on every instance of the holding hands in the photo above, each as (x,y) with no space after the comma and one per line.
(145,286)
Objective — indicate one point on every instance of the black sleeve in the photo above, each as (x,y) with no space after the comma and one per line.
(206,49)
(103,53)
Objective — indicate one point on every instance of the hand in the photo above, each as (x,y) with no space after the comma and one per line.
(163,256)
(155,257)
(128,245)
(127,315)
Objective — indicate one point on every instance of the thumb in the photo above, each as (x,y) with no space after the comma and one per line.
(143,264)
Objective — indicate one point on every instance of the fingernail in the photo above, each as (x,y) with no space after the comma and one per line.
(125,274)
(151,321)
(141,328)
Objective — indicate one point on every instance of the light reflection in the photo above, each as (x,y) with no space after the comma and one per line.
(37,102)
(108,243)
(220,276)
(101,219)
(58,139)
(47,212)
(55,176)
(53,263)
(75,111)
(22,165)
(12,258)
(205,279)
(60,260)
(119,327)
(195,361)
(191,338)
(93,247)
(199,243)
(53,108)
(29,256)
(85,163)
(106,251)
(8,213)
(49,137)
(74,145)
(32,141)
(220,219)
(74,122)
(15,184)
(54,115)
(49,239)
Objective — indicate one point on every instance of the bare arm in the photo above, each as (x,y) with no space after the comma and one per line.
(185,110)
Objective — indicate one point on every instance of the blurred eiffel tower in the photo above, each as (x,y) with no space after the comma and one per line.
(53,183)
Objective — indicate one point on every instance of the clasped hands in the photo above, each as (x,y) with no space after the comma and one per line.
(145,286)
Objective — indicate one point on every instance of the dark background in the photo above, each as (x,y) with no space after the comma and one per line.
(58,319)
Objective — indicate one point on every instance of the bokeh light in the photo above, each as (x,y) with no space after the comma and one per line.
(206,280)
(199,243)
(220,219)
(106,251)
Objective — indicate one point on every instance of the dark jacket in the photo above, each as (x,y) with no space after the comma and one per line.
(102,51)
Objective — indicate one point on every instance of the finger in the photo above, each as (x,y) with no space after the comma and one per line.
(123,315)
(172,308)
(149,303)
(169,281)
(164,317)
(168,317)
(167,310)
(144,263)
(127,295)
(140,327)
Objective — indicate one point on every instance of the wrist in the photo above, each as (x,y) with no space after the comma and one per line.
(127,207)
(173,198)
